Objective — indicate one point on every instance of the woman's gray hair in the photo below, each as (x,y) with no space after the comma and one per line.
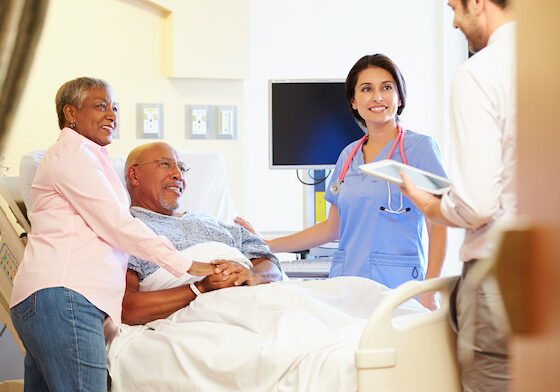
(73,93)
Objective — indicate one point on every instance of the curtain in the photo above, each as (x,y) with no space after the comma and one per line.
(21,22)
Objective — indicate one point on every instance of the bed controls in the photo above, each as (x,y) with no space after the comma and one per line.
(8,263)
(309,268)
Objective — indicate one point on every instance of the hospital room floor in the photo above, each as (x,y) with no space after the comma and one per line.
(11,359)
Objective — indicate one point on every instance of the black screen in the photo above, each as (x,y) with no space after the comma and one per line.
(310,124)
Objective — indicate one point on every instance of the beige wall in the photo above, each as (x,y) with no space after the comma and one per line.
(123,42)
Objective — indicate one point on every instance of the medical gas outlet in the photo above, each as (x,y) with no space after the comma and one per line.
(149,121)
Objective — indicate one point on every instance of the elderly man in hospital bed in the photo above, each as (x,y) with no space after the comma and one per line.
(283,336)
(155,181)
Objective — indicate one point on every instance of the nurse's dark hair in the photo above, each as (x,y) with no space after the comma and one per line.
(73,93)
(500,3)
(374,60)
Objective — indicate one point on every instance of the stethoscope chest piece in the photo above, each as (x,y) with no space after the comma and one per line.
(335,187)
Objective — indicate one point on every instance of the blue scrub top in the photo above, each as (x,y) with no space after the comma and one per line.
(376,244)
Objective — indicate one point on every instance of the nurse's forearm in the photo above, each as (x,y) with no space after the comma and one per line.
(437,246)
(311,237)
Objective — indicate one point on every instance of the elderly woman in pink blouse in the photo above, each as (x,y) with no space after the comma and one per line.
(72,275)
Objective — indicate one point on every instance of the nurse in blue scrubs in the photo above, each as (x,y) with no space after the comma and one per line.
(378,228)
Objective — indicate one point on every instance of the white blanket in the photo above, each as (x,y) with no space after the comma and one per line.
(284,336)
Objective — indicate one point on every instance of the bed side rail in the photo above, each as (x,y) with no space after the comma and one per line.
(12,245)
(417,352)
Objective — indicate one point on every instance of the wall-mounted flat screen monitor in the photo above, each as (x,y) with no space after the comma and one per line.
(310,123)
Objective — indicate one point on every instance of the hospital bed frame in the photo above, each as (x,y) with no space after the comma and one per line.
(415,354)
(13,230)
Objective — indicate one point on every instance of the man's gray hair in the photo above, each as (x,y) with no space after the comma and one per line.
(73,93)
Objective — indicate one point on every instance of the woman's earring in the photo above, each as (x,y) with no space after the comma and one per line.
(73,125)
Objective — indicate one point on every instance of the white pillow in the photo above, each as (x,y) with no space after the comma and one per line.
(204,252)
(206,183)
(27,168)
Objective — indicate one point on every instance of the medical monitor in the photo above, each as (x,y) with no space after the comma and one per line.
(310,123)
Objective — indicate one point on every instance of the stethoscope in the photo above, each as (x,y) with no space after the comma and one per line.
(335,186)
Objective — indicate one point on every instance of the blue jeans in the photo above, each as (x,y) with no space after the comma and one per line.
(63,335)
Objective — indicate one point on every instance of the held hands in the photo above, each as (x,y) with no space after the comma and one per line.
(202,269)
(242,274)
(223,273)
(216,281)
(216,267)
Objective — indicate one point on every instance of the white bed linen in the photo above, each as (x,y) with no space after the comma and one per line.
(284,336)
(203,252)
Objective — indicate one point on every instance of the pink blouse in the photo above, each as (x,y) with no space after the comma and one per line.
(82,230)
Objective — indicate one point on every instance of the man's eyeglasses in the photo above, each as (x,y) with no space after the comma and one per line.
(168,164)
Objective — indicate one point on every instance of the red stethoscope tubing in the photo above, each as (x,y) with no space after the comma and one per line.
(349,159)
(398,140)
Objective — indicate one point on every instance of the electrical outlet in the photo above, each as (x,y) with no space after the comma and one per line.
(198,121)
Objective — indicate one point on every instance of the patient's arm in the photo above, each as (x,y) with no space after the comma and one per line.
(142,307)
(264,271)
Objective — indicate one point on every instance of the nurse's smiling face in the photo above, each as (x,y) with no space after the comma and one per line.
(376,97)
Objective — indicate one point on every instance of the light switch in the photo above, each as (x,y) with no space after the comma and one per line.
(227,116)
(226,122)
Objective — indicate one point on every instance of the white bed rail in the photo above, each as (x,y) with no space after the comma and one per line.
(412,353)
(12,225)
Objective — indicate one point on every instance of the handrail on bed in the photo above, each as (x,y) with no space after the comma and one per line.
(382,315)
(12,245)
(413,352)
(9,185)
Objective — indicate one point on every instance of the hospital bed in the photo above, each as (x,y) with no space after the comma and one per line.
(412,352)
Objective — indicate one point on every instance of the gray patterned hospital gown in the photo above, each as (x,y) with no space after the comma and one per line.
(192,229)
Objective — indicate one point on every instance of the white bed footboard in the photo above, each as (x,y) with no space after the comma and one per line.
(416,353)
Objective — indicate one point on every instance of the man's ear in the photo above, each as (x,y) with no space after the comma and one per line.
(132,176)
(478,6)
